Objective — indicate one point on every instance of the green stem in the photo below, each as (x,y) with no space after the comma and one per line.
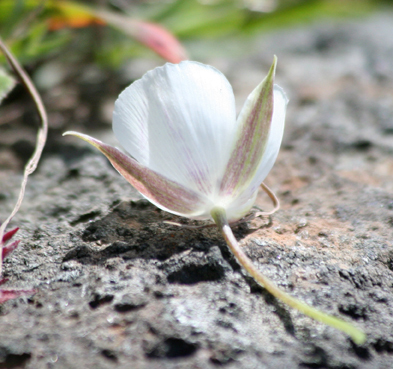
(220,218)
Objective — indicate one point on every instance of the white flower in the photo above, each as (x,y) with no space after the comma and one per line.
(189,152)
(190,155)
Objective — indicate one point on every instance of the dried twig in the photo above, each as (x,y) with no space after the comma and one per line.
(41,135)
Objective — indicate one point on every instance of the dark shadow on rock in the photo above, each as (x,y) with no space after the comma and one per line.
(99,300)
(12,360)
(353,310)
(383,346)
(110,355)
(362,352)
(195,267)
(191,274)
(170,348)
(136,229)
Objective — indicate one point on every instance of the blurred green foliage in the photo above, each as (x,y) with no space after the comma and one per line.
(192,18)
(27,25)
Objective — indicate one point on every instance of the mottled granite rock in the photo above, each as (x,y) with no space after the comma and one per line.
(118,288)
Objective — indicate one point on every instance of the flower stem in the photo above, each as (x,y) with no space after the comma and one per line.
(220,218)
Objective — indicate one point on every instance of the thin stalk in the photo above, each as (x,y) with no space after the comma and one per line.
(41,137)
(220,218)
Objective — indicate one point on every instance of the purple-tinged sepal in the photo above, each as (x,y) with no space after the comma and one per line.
(251,137)
(161,191)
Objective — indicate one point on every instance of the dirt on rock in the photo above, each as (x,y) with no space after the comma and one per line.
(117,287)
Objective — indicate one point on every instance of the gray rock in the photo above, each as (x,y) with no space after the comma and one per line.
(117,287)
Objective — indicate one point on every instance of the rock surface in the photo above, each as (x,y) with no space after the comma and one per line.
(118,288)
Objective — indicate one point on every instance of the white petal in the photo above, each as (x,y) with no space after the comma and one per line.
(179,120)
(244,202)
(241,206)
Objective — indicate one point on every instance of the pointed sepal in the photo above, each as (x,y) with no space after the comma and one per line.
(252,136)
(161,191)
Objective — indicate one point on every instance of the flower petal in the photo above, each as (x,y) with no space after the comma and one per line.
(179,120)
(162,192)
(241,205)
(245,200)
(252,136)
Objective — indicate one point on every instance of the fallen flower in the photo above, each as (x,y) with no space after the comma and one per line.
(190,155)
